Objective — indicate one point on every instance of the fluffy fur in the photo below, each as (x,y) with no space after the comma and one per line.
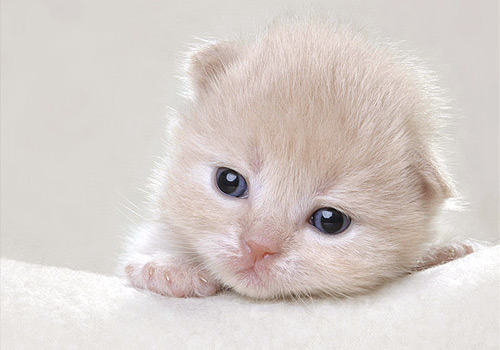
(312,116)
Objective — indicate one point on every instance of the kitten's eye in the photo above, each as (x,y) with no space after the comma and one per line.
(330,221)
(231,183)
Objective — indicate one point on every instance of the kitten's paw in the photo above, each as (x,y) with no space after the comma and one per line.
(442,255)
(178,279)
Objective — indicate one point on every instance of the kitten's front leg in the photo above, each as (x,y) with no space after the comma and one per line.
(149,265)
(443,255)
(171,277)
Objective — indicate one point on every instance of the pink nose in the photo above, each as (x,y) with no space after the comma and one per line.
(256,250)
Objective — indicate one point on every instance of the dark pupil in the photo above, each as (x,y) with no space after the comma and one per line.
(228,181)
(331,221)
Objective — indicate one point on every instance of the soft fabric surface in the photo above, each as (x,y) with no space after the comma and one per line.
(453,306)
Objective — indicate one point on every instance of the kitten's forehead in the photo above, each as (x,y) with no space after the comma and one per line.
(315,110)
(311,93)
(304,132)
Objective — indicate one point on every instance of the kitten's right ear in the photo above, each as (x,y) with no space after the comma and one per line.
(210,64)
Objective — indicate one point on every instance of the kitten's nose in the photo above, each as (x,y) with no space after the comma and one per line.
(259,249)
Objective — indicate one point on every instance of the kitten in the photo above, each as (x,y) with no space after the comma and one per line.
(305,165)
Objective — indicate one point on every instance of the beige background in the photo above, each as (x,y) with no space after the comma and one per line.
(85,85)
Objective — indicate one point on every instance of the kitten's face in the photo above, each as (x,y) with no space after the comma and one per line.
(299,148)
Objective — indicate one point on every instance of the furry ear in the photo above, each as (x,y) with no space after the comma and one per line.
(209,64)
(435,185)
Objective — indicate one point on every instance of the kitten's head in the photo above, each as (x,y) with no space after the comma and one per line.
(304,165)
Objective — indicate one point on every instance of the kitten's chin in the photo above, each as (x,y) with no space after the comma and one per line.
(255,291)
(258,278)
(257,285)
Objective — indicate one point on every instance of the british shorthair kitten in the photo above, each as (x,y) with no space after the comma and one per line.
(305,165)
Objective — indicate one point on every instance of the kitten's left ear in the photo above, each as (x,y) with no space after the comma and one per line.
(435,184)
(211,63)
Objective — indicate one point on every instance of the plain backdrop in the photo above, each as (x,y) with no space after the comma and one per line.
(85,86)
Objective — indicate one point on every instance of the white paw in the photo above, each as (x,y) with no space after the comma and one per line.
(443,255)
(177,279)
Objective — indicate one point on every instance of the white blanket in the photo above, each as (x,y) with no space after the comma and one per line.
(453,306)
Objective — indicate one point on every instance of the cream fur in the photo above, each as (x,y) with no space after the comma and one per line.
(312,116)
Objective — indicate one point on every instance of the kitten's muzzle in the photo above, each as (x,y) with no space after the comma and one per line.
(258,249)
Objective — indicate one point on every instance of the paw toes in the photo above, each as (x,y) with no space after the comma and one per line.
(171,280)
(206,287)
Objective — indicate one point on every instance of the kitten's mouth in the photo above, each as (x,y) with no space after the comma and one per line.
(259,283)
(250,275)
(258,275)
(252,268)
(254,271)
(251,283)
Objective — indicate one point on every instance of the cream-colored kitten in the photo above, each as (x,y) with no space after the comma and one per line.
(305,165)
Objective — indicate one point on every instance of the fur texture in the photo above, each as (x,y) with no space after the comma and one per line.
(312,116)
(454,306)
